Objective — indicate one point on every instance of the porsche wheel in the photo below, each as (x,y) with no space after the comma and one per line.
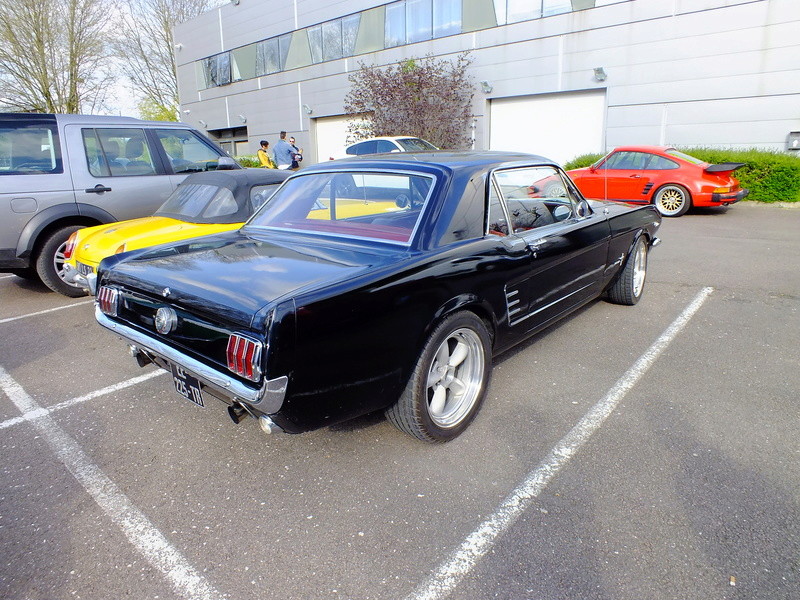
(449,381)
(672,200)
(629,284)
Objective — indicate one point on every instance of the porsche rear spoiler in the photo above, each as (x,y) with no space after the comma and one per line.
(723,167)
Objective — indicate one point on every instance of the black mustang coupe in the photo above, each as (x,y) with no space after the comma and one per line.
(385,282)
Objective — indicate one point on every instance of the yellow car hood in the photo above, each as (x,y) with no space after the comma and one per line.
(95,243)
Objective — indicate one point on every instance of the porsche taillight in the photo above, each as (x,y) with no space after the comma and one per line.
(244,356)
(108,300)
(69,248)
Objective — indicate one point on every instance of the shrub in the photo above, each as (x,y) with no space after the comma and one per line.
(584,160)
(771,176)
(248,161)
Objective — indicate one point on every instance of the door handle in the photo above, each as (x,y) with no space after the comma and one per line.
(536,245)
(98,189)
(635,176)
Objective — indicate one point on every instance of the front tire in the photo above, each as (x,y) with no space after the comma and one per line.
(629,284)
(448,383)
(672,200)
(50,263)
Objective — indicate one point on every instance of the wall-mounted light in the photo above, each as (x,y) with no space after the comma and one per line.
(178,46)
(202,123)
(486,87)
(308,110)
(235,2)
(599,74)
(243,119)
(187,111)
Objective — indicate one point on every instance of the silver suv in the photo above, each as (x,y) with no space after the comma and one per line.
(59,173)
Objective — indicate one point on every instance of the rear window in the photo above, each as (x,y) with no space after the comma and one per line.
(29,148)
(367,205)
(415,145)
(686,157)
(192,202)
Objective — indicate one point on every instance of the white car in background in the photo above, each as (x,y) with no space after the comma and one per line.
(378,145)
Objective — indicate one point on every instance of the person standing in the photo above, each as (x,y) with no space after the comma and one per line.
(283,153)
(297,156)
(263,156)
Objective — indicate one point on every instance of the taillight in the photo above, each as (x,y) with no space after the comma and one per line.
(108,300)
(70,246)
(244,356)
(722,190)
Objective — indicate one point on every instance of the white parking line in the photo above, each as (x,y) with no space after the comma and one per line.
(479,542)
(144,536)
(43,312)
(67,403)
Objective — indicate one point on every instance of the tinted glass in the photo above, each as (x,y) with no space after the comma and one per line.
(660,163)
(686,157)
(117,152)
(385,146)
(353,204)
(29,148)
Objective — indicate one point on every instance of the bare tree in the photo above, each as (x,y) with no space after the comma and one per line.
(429,98)
(53,55)
(145,46)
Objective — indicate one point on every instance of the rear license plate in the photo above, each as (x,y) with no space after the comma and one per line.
(85,269)
(186,385)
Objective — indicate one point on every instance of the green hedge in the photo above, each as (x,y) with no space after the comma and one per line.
(248,161)
(770,176)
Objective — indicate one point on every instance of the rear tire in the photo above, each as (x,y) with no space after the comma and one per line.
(672,200)
(50,263)
(629,284)
(449,381)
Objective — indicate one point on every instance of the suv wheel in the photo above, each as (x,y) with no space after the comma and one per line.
(50,262)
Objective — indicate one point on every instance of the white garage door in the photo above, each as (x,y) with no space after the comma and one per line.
(557,126)
(331,136)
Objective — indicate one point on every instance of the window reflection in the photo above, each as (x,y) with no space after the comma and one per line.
(446,17)
(419,26)
(395,24)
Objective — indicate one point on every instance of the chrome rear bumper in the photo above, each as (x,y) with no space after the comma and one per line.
(267,399)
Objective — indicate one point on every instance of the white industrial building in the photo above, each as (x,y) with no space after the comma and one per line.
(553,77)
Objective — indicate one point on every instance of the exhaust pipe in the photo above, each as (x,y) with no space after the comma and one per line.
(237,412)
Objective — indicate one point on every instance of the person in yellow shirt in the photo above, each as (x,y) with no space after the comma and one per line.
(263,156)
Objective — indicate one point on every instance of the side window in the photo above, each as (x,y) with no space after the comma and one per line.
(498,223)
(186,151)
(260,194)
(628,161)
(369,147)
(535,197)
(385,146)
(658,163)
(117,152)
(29,148)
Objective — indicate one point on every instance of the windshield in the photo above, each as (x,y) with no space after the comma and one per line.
(192,202)
(415,144)
(368,205)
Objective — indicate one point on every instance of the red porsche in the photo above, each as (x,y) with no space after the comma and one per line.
(671,180)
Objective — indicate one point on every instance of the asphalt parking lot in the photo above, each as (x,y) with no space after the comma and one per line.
(627,453)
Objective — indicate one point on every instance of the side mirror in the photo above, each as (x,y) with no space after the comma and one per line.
(226,163)
(583,209)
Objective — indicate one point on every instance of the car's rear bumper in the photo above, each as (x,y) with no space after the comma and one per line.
(267,399)
(731,198)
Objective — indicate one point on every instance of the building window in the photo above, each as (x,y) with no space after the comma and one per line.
(395,28)
(419,21)
(217,69)
(446,17)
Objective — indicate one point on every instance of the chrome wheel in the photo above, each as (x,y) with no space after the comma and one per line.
(672,200)
(455,378)
(449,380)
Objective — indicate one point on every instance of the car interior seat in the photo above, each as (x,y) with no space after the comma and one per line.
(134,150)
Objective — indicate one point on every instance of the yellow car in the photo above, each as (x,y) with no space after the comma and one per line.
(203,204)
